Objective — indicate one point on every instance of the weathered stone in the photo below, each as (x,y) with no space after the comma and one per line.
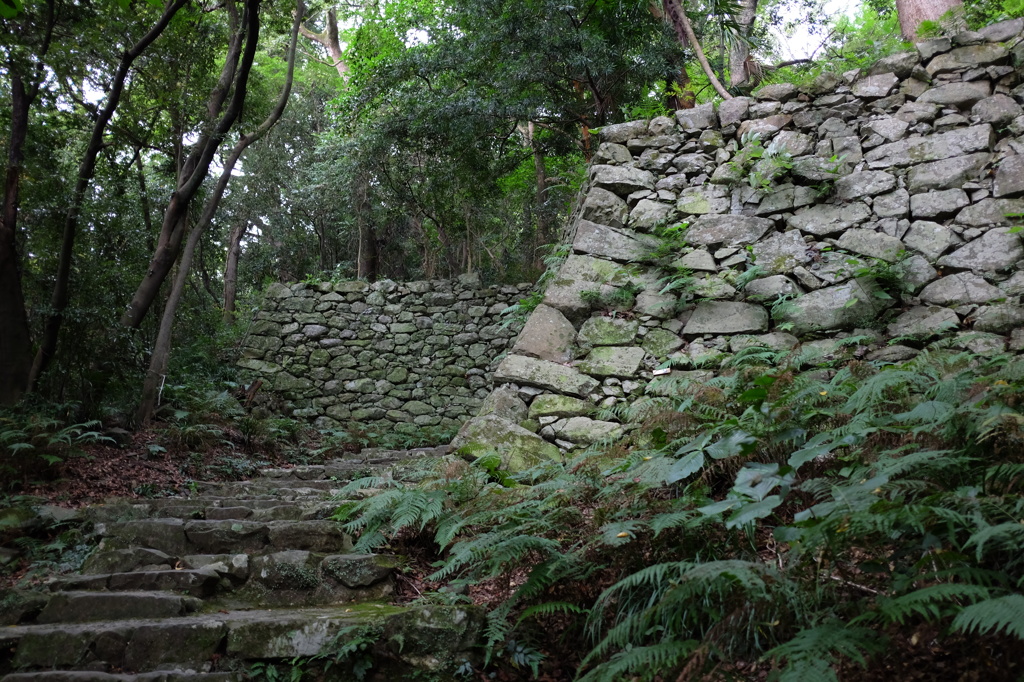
(988,212)
(999,319)
(660,342)
(959,289)
(611,153)
(585,431)
(889,128)
(613,361)
(80,607)
(733,111)
(871,243)
(698,260)
(697,118)
(1009,180)
(726,317)
(578,274)
(655,304)
(998,249)
(844,306)
(948,174)
(960,95)
(552,405)
(621,180)
(999,110)
(864,184)
(608,331)
(771,287)
(774,341)
(875,87)
(915,272)
(504,402)
(649,213)
(547,335)
(932,148)
(604,207)
(731,230)
(930,239)
(613,243)
(892,205)
(703,199)
(620,133)
(518,448)
(792,143)
(938,204)
(712,287)
(765,127)
(963,58)
(781,92)
(544,374)
(781,252)
(826,219)
(358,570)
(901,64)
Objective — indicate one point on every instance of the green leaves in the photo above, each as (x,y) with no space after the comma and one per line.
(10,8)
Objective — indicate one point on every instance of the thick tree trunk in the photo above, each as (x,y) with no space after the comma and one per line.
(15,340)
(913,12)
(330,40)
(162,347)
(197,165)
(86,170)
(739,52)
(231,270)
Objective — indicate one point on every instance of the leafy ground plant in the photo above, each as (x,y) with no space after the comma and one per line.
(853,522)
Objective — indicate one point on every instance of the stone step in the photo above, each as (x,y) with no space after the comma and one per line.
(201,583)
(178,537)
(286,578)
(409,637)
(93,676)
(84,606)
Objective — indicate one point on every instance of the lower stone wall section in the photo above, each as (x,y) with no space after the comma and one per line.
(387,355)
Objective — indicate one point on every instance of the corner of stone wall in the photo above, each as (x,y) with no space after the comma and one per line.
(798,201)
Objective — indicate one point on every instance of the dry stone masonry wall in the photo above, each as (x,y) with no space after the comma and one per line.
(881,203)
(385,355)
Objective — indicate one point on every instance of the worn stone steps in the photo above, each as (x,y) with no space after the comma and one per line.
(200,587)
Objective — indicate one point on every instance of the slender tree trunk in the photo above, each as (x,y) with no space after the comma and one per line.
(86,170)
(162,347)
(15,340)
(366,255)
(231,270)
(677,16)
(543,234)
(197,164)
(739,52)
(913,12)
(330,40)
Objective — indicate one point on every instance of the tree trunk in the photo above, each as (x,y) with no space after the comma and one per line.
(913,12)
(739,52)
(677,16)
(197,165)
(329,39)
(231,270)
(86,170)
(162,347)
(15,340)
(366,255)
(543,234)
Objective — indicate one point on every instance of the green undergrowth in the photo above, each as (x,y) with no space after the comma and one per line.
(815,524)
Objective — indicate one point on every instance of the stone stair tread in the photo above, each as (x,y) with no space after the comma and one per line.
(200,582)
(94,676)
(178,537)
(157,643)
(78,606)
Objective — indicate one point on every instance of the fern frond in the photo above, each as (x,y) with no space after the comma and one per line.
(645,661)
(825,641)
(551,608)
(1002,614)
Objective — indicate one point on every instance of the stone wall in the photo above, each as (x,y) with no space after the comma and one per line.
(878,204)
(385,355)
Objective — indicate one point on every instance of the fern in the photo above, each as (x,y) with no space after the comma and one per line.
(1002,614)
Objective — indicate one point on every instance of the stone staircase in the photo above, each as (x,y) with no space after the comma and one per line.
(235,578)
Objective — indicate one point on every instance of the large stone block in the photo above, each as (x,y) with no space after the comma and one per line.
(998,249)
(730,230)
(616,244)
(915,150)
(518,448)
(947,174)
(961,288)
(621,180)
(826,219)
(604,207)
(726,317)
(547,335)
(613,361)
(543,374)
(844,306)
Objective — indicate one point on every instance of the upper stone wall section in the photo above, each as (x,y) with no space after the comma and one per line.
(879,203)
(388,355)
